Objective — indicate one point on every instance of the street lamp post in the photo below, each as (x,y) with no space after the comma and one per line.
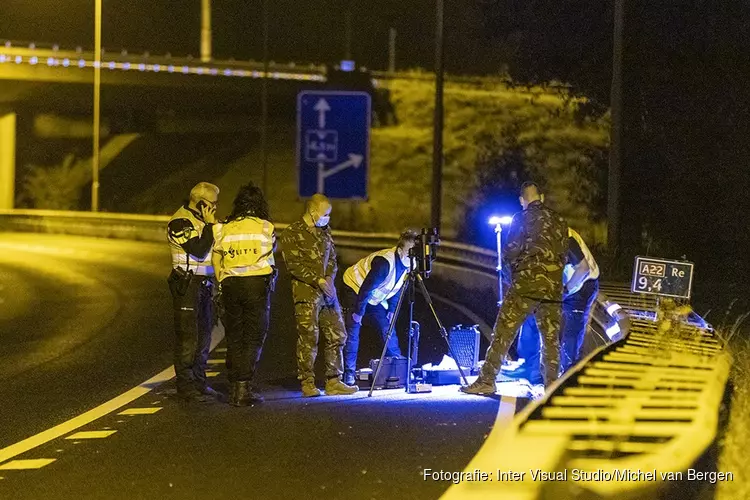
(264,101)
(97,103)
(615,151)
(499,222)
(205,30)
(437,140)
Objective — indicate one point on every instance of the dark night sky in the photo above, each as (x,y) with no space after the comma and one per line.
(305,31)
(686,98)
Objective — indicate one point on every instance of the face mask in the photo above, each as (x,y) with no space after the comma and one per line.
(320,221)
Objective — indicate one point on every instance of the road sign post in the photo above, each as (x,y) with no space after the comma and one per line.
(333,144)
(666,278)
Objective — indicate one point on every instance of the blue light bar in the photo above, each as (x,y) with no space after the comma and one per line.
(347,65)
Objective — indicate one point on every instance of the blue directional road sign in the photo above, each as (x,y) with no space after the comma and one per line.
(669,278)
(333,144)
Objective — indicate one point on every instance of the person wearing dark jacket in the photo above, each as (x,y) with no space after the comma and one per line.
(536,255)
(372,288)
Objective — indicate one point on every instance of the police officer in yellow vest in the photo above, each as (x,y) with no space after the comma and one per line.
(190,235)
(372,288)
(245,266)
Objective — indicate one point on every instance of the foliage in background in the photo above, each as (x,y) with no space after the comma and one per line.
(58,187)
(496,137)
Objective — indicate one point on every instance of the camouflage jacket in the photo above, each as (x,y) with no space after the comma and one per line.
(537,245)
(309,255)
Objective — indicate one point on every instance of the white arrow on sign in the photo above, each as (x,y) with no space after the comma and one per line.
(322,108)
(353,161)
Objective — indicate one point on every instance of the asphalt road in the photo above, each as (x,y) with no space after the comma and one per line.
(84,320)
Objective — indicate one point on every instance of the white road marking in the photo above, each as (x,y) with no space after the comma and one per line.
(91,435)
(139,411)
(100,411)
(36,463)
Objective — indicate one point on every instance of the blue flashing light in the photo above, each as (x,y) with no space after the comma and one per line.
(156,68)
(141,67)
(66,62)
(347,65)
(2,58)
(81,63)
(97,64)
(199,71)
(50,61)
(126,66)
(185,70)
(19,59)
(502,220)
(112,65)
(170,68)
(228,72)
(214,71)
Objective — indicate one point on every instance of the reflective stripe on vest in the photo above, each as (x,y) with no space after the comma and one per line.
(244,247)
(356,274)
(593,267)
(201,267)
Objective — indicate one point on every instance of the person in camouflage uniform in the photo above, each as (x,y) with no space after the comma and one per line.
(535,254)
(310,256)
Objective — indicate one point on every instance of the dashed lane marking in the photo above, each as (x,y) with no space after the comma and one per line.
(35,463)
(215,361)
(139,411)
(91,435)
(212,374)
(100,411)
(221,349)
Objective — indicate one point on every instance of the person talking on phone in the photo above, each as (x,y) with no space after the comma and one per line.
(191,239)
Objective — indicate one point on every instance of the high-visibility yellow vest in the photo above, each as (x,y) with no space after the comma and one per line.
(356,274)
(243,247)
(593,267)
(199,266)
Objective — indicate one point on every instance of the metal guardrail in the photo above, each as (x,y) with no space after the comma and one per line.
(646,401)
(54,55)
(619,422)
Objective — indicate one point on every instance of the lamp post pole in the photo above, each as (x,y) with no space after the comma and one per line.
(437,140)
(97,104)
(264,101)
(205,30)
(615,151)
(499,235)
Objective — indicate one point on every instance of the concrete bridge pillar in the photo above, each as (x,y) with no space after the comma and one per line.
(7,160)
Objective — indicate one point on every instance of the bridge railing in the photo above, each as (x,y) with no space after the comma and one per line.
(644,402)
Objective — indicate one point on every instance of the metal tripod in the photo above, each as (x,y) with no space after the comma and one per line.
(409,287)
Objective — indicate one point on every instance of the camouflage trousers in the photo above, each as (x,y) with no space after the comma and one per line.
(313,318)
(521,301)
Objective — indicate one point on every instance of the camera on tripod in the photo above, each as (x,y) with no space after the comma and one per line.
(424,252)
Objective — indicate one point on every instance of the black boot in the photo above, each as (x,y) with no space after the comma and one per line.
(243,395)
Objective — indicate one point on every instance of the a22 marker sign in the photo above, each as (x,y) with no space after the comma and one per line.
(668,278)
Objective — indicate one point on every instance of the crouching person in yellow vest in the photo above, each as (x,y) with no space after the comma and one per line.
(372,289)
(190,235)
(245,266)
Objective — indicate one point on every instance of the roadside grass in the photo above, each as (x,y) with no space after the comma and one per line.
(735,444)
